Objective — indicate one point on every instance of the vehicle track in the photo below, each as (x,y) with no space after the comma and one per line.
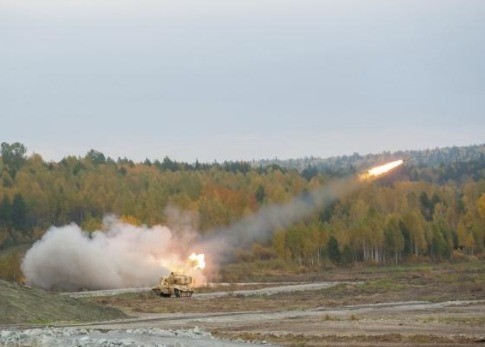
(254,316)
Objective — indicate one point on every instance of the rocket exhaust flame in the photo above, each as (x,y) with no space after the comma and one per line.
(381,170)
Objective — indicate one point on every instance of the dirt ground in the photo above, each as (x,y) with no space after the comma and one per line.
(377,306)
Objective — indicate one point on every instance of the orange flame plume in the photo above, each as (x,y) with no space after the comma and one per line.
(380,170)
(197,261)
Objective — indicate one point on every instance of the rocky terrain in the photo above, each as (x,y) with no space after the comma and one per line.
(79,337)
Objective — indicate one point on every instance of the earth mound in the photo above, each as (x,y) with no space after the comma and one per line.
(25,305)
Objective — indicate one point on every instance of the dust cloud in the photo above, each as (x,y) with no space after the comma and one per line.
(119,255)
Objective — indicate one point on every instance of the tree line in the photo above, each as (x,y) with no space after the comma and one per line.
(419,211)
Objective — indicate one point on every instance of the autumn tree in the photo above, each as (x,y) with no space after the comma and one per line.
(19,213)
(333,250)
(394,238)
(13,156)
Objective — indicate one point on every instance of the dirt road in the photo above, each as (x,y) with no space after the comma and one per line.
(398,317)
(397,323)
(272,289)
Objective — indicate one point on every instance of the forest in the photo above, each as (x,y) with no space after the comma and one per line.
(430,209)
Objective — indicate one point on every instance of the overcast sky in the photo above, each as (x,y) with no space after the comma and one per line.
(240,79)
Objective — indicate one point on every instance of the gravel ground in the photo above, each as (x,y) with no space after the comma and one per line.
(51,337)
(404,323)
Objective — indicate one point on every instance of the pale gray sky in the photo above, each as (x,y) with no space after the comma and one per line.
(240,79)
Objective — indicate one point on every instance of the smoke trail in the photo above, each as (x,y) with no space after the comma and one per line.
(119,256)
(261,226)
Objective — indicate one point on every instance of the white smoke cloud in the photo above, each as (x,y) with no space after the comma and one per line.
(118,256)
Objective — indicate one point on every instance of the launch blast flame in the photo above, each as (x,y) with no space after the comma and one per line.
(380,170)
(197,261)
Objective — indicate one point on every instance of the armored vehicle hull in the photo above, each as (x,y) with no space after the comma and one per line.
(175,284)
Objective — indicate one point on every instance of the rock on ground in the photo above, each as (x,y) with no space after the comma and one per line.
(149,337)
